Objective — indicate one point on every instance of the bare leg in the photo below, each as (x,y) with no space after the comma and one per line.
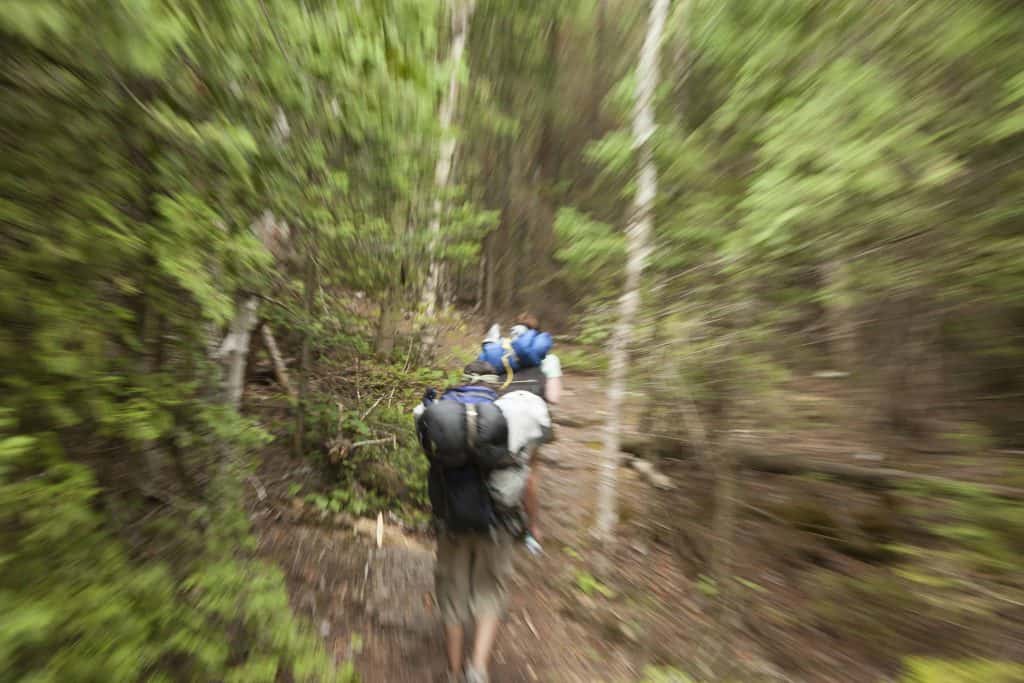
(454,635)
(486,630)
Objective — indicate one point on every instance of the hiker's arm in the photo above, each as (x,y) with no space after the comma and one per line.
(552,369)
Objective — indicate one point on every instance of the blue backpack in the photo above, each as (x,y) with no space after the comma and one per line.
(525,351)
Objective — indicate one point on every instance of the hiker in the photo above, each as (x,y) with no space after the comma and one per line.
(479,445)
(550,366)
(523,359)
(550,376)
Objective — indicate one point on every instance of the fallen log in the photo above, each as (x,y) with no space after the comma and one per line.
(573,421)
(879,478)
(868,477)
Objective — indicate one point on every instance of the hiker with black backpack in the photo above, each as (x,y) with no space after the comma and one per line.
(479,442)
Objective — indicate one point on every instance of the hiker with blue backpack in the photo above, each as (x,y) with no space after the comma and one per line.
(480,437)
(538,370)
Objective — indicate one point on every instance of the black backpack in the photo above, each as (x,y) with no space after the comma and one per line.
(464,435)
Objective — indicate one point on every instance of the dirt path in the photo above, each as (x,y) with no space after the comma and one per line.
(376,603)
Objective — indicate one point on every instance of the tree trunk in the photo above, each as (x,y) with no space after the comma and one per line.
(251,358)
(387,326)
(841,330)
(489,275)
(599,66)
(481,277)
(637,247)
(280,369)
(235,348)
(461,11)
(309,286)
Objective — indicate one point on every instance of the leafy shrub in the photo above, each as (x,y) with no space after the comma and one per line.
(919,670)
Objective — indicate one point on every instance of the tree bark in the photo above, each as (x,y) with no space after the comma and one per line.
(387,325)
(841,332)
(489,275)
(235,348)
(599,67)
(638,248)
(481,277)
(461,11)
(309,286)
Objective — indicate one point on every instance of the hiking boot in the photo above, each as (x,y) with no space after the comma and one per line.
(474,676)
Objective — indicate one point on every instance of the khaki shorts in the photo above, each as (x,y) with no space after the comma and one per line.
(471,575)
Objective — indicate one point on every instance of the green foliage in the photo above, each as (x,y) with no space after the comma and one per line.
(982,540)
(589,586)
(146,137)
(920,670)
(583,360)
(590,249)
(665,674)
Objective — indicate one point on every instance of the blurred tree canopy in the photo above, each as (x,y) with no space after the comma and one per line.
(142,141)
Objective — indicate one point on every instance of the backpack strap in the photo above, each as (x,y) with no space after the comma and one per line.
(506,344)
(471,416)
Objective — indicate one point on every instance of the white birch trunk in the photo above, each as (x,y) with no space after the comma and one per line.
(461,11)
(235,348)
(637,249)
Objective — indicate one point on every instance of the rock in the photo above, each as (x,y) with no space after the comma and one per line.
(644,467)
(660,481)
(648,471)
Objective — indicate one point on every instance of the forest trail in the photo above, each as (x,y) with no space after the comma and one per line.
(375,604)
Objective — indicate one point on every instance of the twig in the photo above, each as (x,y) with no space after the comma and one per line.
(370,409)
(526,618)
(359,398)
(261,492)
(276,302)
(408,355)
(371,442)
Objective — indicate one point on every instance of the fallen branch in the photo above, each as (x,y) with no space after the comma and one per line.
(373,442)
(370,409)
(878,478)
(884,478)
(280,369)
(261,492)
